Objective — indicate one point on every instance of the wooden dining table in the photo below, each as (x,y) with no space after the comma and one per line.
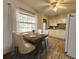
(35,39)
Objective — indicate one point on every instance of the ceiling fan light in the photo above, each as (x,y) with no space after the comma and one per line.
(55,9)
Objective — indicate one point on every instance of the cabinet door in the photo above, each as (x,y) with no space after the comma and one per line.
(72,36)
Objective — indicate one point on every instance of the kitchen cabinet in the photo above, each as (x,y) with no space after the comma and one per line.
(59,33)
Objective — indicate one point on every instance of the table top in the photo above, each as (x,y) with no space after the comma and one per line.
(36,38)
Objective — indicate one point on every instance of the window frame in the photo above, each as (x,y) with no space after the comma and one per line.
(27,14)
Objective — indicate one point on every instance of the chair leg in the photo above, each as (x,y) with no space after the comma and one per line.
(46,45)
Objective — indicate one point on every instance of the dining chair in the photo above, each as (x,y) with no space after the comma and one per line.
(24,48)
(45,44)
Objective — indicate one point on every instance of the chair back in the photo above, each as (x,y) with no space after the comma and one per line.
(23,47)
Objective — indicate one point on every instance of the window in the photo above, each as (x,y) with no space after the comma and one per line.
(25,22)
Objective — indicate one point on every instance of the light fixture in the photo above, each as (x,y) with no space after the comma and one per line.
(55,5)
(55,9)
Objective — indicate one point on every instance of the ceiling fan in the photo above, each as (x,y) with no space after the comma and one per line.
(54,5)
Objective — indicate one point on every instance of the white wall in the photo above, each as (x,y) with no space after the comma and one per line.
(9,22)
(5,25)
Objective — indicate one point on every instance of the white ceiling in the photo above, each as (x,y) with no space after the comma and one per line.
(45,7)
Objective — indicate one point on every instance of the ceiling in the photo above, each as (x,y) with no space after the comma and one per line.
(52,8)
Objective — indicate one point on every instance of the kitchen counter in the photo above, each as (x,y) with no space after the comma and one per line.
(58,33)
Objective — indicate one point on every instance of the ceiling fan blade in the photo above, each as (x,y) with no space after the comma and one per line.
(59,1)
(56,8)
(62,7)
(53,3)
(67,3)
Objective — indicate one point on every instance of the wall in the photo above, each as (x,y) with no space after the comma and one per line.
(5,25)
(9,22)
(18,5)
(40,21)
(56,20)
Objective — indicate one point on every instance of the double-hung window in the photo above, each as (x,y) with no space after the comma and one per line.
(25,22)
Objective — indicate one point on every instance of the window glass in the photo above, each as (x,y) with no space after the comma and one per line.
(25,22)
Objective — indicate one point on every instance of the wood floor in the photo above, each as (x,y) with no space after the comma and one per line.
(7,56)
(58,49)
(55,52)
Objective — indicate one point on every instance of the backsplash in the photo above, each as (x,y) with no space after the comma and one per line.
(59,26)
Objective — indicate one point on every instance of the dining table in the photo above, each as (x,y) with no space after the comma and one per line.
(35,39)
